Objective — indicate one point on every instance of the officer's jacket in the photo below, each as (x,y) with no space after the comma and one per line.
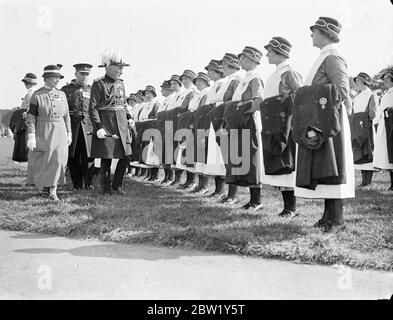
(107,110)
(78,98)
(318,108)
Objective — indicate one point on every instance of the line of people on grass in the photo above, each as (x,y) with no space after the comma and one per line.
(302,137)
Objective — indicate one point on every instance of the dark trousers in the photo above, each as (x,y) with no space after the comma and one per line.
(105,173)
(81,167)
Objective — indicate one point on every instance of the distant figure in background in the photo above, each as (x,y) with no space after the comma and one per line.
(383,155)
(80,163)
(18,121)
(363,131)
(49,134)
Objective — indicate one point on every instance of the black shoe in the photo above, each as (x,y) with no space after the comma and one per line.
(320,224)
(214,194)
(247,206)
(203,191)
(288,214)
(330,228)
(231,201)
(255,206)
(119,192)
(54,197)
(90,187)
(195,189)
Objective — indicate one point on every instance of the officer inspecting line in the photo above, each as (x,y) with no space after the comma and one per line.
(297,133)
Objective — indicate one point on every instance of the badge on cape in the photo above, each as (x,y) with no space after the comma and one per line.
(323,101)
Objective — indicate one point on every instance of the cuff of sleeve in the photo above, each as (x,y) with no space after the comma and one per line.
(128,116)
(99,126)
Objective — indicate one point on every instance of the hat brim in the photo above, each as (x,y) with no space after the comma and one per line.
(277,50)
(215,69)
(115,64)
(250,57)
(231,64)
(184,75)
(178,81)
(334,35)
(29,82)
(367,82)
(154,94)
(194,81)
(388,73)
(54,74)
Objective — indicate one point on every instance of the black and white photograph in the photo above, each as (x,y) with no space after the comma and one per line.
(194,155)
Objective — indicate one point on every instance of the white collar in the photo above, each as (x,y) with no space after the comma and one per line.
(233,75)
(282,65)
(46,87)
(329,47)
(390,90)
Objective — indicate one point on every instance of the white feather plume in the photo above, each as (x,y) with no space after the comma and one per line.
(111,56)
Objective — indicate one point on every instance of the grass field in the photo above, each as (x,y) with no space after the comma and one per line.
(154,215)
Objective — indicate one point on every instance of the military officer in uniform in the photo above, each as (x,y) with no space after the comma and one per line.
(80,164)
(110,119)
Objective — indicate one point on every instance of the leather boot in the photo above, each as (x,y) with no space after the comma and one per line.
(289,204)
(219,187)
(232,197)
(176,181)
(336,221)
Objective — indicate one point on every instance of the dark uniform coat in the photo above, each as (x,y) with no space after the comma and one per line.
(78,101)
(108,111)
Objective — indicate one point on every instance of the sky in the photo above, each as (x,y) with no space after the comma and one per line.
(159,38)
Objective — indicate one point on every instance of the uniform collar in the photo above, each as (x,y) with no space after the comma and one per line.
(109,79)
(329,47)
(46,87)
(282,65)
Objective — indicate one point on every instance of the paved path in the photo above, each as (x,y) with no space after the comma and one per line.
(34,266)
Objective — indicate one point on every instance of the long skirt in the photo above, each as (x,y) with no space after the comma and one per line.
(340,191)
(381,159)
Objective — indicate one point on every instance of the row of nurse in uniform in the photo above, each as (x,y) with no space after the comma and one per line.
(377,151)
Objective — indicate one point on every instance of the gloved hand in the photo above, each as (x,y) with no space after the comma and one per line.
(31,142)
(131,122)
(69,138)
(101,133)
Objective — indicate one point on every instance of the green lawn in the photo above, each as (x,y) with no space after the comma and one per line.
(154,215)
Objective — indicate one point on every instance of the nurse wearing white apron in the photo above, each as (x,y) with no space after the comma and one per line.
(381,159)
(330,67)
(282,82)
(365,101)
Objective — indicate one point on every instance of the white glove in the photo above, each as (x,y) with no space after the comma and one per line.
(69,138)
(101,133)
(31,142)
(131,122)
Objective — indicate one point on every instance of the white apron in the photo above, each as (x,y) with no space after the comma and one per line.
(237,96)
(341,191)
(203,168)
(381,160)
(271,90)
